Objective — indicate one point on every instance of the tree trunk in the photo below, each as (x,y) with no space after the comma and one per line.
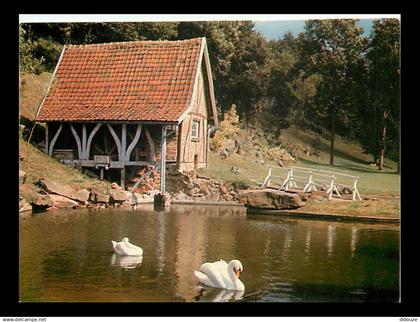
(332,138)
(383,138)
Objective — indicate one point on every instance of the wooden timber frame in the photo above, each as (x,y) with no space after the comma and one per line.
(123,145)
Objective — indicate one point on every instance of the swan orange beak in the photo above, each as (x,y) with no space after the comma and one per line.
(238,273)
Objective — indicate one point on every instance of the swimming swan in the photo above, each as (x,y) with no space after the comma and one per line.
(125,248)
(221,275)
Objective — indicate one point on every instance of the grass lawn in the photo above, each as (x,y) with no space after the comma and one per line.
(38,165)
(349,159)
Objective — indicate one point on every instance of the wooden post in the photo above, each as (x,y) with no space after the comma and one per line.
(46,137)
(163,160)
(266,182)
(89,141)
(122,152)
(84,138)
(79,144)
(51,147)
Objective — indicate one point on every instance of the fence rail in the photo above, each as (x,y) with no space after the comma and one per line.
(312,180)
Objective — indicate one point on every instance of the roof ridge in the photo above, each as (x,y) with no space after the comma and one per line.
(134,42)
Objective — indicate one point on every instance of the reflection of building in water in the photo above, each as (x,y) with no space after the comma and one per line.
(287,242)
(308,242)
(330,239)
(161,242)
(190,252)
(353,241)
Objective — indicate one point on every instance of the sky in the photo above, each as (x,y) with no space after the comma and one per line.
(273,30)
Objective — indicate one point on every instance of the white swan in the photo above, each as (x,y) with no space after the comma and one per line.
(221,275)
(125,248)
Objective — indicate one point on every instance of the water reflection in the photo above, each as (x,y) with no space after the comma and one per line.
(218,295)
(283,259)
(353,241)
(330,240)
(126,262)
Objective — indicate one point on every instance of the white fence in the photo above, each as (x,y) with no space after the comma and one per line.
(312,180)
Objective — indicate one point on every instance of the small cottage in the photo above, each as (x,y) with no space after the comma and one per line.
(116,107)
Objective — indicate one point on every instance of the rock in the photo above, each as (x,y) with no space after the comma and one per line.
(63,202)
(270,199)
(59,189)
(224,154)
(280,163)
(101,197)
(204,188)
(83,195)
(235,170)
(115,186)
(43,201)
(29,192)
(24,205)
(22,177)
(223,190)
(218,182)
(260,161)
(118,195)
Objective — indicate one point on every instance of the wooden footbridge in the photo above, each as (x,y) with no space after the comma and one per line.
(308,180)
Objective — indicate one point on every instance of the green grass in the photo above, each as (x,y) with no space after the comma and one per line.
(349,159)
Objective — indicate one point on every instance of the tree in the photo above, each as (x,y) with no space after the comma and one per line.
(384,81)
(333,49)
(239,58)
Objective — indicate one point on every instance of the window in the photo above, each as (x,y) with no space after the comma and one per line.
(195,131)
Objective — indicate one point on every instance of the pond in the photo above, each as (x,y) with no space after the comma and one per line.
(67,256)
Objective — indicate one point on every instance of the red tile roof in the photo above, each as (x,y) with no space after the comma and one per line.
(131,81)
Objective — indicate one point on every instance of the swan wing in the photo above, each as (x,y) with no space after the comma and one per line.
(213,274)
(202,278)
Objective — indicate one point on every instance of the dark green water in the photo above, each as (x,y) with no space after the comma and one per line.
(67,256)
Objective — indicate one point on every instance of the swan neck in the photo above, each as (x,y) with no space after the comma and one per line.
(231,273)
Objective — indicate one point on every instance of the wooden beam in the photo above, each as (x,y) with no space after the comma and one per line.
(84,137)
(123,141)
(163,160)
(46,138)
(116,139)
(151,144)
(90,138)
(121,155)
(79,145)
(55,139)
(133,143)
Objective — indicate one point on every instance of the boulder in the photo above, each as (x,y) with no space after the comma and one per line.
(62,190)
(270,199)
(115,186)
(43,201)
(29,192)
(223,190)
(24,205)
(22,177)
(118,195)
(83,195)
(101,197)
(63,202)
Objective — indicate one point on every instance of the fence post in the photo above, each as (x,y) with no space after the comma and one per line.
(310,185)
(330,189)
(355,191)
(266,182)
(286,181)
